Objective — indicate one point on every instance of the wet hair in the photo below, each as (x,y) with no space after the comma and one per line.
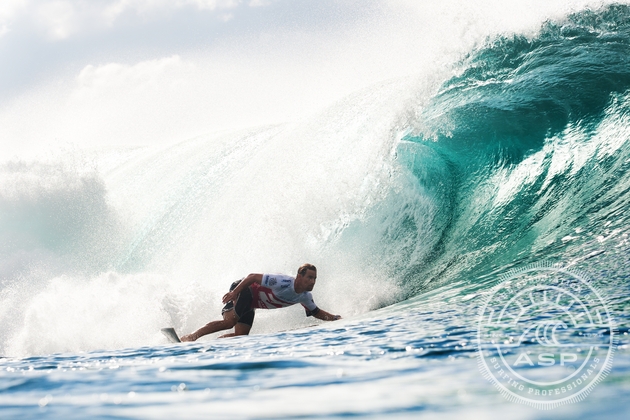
(305,267)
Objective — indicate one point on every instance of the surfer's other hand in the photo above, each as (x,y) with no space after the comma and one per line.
(228,297)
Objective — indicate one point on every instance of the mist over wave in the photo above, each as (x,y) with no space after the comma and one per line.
(193,217)
(401,187)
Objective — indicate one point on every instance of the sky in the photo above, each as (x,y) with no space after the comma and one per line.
(38,38)
(96,73)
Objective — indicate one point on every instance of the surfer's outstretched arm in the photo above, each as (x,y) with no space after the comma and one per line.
(325,316)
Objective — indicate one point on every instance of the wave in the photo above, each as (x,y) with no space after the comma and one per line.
(51,212)
(531,141)
(397,190)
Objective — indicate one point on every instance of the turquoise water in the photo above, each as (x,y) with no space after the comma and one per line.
(412,207)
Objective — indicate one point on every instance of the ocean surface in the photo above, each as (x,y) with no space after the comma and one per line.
(415,207)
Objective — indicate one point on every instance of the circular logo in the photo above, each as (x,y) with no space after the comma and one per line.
(545,336)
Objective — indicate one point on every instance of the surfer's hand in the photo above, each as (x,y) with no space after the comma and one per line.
(229,297)
(336,317)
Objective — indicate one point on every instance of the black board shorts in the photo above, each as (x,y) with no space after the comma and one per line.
(244,311)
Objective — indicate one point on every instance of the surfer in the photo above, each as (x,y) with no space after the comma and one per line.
(265,291)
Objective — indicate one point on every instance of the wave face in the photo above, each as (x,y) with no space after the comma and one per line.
(522,156)
(530,142)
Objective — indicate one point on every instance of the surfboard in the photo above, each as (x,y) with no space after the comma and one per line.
(171,335)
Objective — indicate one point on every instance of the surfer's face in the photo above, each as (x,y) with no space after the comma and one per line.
(308,279)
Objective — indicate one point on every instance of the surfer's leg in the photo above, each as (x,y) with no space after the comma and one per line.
(243,325)
(228,321)
(239,329)
(242,329)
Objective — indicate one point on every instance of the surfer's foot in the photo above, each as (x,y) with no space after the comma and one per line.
(187,337)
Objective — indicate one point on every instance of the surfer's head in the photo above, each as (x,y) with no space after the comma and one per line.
(304,267)
(307,275)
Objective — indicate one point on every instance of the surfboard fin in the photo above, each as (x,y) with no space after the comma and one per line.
(171,335)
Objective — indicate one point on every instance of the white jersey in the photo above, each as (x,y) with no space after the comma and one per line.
(278,291)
